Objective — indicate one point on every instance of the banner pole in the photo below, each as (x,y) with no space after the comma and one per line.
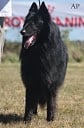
(1,37)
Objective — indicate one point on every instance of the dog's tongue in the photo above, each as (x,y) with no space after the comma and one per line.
(29,42)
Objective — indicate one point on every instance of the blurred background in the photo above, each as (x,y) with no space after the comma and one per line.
(68,15)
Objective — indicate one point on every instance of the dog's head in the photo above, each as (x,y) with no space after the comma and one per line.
(34,23)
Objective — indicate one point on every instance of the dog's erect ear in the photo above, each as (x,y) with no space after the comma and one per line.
(44,12)
(33,8)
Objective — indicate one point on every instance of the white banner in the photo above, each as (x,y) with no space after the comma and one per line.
(65,15)
(68,14)
(57,8)
(5,8)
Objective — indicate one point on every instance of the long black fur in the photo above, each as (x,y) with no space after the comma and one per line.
(43,65)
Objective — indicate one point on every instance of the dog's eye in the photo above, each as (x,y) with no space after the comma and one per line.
(39,23)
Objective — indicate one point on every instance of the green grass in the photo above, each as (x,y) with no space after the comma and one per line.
(70,112)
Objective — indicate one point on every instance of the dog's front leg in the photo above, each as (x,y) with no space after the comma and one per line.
(51,106)
(28,107)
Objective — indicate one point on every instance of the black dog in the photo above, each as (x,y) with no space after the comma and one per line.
(43,61)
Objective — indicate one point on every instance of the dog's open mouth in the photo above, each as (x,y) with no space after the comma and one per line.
(30,41)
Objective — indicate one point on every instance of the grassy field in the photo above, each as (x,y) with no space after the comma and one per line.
(70,112)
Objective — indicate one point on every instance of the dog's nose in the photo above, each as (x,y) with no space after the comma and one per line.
(23,32)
